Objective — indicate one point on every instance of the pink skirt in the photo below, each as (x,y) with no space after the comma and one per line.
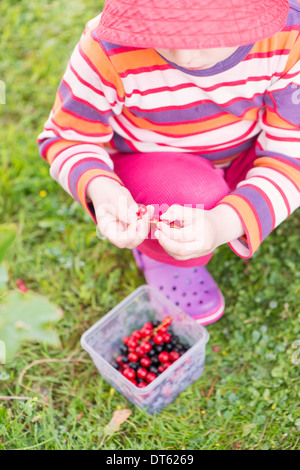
(167,178)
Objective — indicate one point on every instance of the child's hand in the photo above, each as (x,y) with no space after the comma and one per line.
(116,213)
(195,239)
(203,230)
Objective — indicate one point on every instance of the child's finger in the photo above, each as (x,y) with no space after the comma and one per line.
(184,234)
(177,212)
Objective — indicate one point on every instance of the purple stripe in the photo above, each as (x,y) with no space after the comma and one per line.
(288,104)
(76,173)
(294,13)
(228,152)
(261,207)
(83,111)
(45,142)
(121,144)
(264,153)
(199,111)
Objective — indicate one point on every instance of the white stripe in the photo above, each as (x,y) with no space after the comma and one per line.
(83,69)
(291,149)
(96,152)
(65,171)
(85,93)
(289,189)
(276,199)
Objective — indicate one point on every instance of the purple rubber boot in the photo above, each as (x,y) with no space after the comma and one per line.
(192,289)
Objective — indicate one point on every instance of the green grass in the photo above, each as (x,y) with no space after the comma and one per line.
(255,401)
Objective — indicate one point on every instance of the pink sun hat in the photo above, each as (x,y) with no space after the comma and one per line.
(191,24)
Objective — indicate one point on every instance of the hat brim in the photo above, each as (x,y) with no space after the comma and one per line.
(221,24)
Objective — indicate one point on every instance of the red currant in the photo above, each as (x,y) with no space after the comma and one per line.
(163,357)
(167,337)
(150,377)
(161,368)
(168,321)
(132,344)
(145,332)
(158,339)
(142,384)
(145,361)
(140,351)
(174,355)
(167,364)
(162,330)
(148,325)
(134,382)
(142,373)
(136,335)
(126,339)
(129,373)
(119,360)
(146,346)
(133,357)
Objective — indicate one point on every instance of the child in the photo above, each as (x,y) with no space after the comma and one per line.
(191,108)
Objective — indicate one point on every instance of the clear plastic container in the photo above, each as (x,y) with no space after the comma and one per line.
(103,340)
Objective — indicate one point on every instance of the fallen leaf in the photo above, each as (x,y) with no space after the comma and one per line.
(119,417)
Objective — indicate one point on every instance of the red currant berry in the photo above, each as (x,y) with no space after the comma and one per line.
(142,384)
(162,330)
(136,334)
(23,288)
(174,355)
(145,361)
(148,326)
(167,364)
(129,373)
(158,339)
(133,357)
(143,210)
(119,360)
(132,344)
(126,339)
(167,337)
(163,357)
(168,321)
(161,368)
(150,377)
(142,373)
(140,352)
(145,332)
(134,382)
(146,346)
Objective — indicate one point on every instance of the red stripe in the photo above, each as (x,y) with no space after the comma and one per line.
(262,55)
(283,139)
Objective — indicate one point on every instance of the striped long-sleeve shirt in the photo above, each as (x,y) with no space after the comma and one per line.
(115,99)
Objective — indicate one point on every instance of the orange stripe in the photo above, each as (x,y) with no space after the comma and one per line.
(85,179)
(278,165)
(181,129)
(274,120)
(57,147)
(136,59)
(282,40)
(63,119)
(248,219)
(101,62)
